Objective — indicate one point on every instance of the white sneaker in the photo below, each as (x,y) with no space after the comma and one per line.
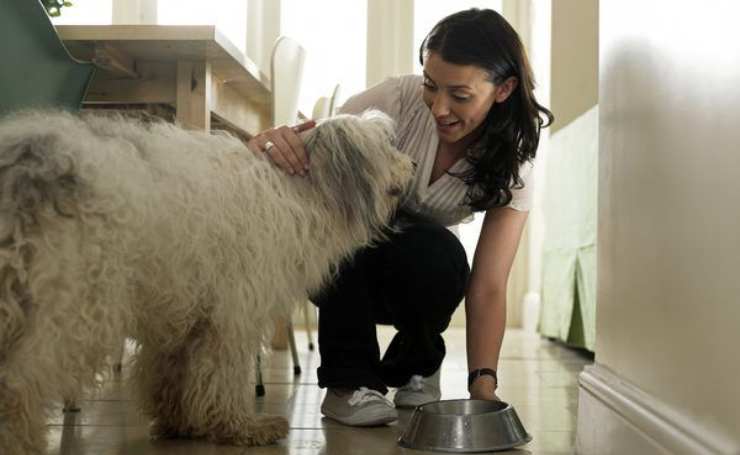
(419,390)
(358,408)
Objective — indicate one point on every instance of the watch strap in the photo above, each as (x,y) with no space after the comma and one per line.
(475,374)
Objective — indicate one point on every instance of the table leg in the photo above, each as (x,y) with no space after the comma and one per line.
(194,95)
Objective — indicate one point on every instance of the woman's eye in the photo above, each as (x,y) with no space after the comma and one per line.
(460,98)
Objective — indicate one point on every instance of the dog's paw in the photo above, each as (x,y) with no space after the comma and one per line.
(163,430)
(268,429)
(259,431)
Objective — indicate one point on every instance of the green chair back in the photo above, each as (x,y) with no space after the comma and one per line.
(36,70)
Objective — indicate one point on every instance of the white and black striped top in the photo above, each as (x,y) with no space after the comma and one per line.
(416,136)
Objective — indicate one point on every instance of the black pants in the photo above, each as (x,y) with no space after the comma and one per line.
(414,281)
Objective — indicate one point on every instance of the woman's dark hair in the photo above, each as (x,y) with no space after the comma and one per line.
(483,38)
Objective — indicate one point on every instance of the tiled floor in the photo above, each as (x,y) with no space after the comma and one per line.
(537,376)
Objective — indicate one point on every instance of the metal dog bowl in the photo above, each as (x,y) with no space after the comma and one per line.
(464,426)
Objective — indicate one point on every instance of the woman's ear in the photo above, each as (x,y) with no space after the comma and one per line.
(506,88)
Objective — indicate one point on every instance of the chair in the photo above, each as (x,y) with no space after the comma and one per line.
(38,72)
(37,69)
(326,106)
(334,100)
(321,108)
(286,73)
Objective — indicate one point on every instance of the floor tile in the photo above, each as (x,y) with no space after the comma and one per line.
(538,377)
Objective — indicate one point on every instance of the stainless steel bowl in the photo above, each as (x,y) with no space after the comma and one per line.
(464,426)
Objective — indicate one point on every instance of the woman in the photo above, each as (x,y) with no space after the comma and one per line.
(472,125)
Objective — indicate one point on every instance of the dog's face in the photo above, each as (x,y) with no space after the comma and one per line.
(359,170)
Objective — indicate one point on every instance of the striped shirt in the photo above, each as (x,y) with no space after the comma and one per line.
(416,136)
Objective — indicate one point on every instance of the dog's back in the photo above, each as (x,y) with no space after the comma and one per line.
(185,240)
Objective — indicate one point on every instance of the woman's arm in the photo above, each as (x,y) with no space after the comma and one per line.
(485,301)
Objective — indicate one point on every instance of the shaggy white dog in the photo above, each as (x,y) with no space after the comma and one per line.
(185,241)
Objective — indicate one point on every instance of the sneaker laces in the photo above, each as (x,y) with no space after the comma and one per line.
(365,395)
(415,384)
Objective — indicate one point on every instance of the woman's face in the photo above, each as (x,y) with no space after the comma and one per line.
(459,97)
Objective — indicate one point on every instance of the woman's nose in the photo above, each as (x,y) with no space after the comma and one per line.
(440,107)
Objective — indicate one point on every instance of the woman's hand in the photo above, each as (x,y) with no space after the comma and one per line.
(483,388)
(284,147)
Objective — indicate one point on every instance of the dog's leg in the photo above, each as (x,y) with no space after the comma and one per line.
(202,391)
(158,379)
(22,418)
(31,365)
(32,378)
(47,363)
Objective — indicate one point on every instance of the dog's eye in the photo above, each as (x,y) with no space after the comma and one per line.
(395,191)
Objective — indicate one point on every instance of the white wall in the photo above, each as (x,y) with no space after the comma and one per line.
(86,12)
(668,316)
(335,50)
(229,16)
(574,60)
(263,28)
(390,32)
(127,12)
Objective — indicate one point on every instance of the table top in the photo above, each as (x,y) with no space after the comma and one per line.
(172,43)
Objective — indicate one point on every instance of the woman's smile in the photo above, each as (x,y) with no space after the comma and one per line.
(447,127)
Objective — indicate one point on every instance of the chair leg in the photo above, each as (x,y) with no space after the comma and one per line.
(118,364)
(70,405)
(259,389)
(307,318)
(293,350)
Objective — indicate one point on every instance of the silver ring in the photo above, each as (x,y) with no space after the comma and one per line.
(268,146)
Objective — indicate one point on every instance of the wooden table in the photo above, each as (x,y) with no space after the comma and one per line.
(195,69)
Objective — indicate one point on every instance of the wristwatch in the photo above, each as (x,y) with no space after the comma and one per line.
(475,374)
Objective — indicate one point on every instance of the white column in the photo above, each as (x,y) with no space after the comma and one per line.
(523,306)
(263,28)
(134,12)
(390,39)
(537,42)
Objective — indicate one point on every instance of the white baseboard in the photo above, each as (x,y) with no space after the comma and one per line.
(615,417)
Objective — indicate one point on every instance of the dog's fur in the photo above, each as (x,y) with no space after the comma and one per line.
(187,242)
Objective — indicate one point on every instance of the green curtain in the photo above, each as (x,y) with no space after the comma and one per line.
(568,310)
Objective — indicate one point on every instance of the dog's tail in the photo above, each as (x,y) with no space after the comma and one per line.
(35,182)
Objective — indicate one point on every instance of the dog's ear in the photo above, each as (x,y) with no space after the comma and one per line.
(342,169)
(382,122)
